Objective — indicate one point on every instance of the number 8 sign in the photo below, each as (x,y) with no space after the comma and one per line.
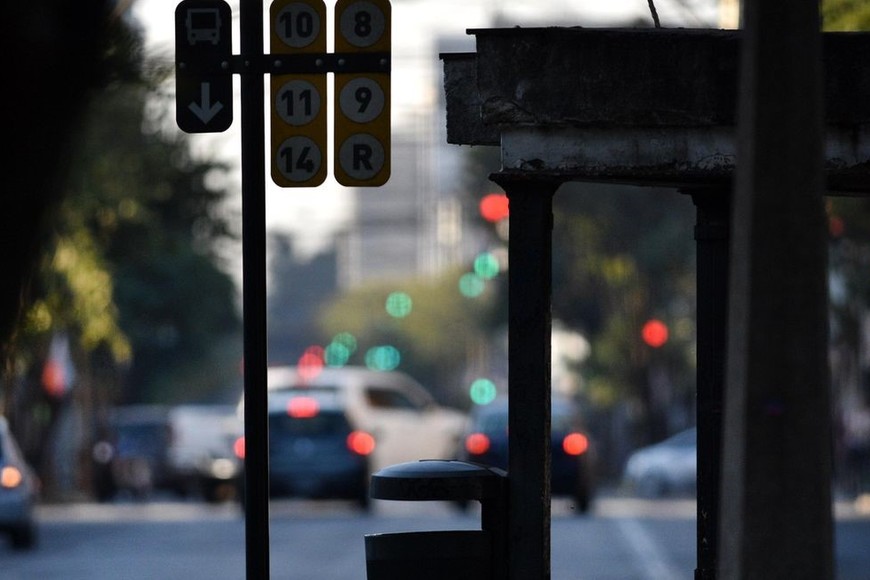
(362,100)
(362,23)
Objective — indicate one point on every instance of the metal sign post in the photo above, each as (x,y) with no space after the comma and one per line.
(204,104)
(254,294)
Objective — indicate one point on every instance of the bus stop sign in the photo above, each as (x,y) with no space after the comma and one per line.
(204,82)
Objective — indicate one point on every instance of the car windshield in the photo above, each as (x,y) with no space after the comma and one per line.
(495,423)
(387,398)
(305,388)
(141,438)
(324,424)
(684,439)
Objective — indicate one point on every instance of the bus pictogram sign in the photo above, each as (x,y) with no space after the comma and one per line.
(204,83)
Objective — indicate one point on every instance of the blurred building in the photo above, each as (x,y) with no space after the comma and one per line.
(416,224)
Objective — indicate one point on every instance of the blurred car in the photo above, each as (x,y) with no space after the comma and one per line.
(572,468)
(200,459)
(132,455)
(184,449)
(665,468)
(400,413)
(18,490)
(316,450)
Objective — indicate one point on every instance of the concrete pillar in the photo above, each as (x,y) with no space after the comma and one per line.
(776,500)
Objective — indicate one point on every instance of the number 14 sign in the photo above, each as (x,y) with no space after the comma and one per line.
(361,101)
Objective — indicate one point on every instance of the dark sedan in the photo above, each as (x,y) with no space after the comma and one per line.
(315,451)
(18,489)
(486,442)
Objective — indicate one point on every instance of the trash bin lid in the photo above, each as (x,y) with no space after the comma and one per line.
(437,479)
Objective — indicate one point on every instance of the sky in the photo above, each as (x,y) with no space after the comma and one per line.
(312,214)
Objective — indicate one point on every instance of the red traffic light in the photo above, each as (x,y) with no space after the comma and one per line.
(494,207)
(655,333)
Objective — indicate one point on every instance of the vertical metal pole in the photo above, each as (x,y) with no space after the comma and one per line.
(529,319)
(254,293)
(711,235)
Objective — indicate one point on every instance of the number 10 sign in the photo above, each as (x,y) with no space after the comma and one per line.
(361,100)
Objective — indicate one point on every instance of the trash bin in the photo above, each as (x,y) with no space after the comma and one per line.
(438,555)
(453,555)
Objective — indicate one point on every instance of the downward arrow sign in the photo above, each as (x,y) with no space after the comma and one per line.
(206,111)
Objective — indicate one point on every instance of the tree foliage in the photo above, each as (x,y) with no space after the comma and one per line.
(846,15)
(434,339)
(130,263)
(623,256)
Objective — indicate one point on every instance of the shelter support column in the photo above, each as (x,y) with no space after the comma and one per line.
(529,328)
(712,238)
(776,488)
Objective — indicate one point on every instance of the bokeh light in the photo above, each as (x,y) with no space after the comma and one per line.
(486,266)
(494,207)
(336,355)
(655,333)
(482,391)
(347,340)
(311,362)
(471,285)
(399,304)
(383,358)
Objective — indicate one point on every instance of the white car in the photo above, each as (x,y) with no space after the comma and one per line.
(18,489)
(401,414)
(666,468)
(200,457)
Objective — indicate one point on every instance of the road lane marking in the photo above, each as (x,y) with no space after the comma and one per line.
(653,563)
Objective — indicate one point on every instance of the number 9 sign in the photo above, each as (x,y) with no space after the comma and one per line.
(361,100)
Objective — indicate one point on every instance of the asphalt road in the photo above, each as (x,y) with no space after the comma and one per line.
(624,538)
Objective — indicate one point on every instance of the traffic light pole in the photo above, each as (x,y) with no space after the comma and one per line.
(254,293)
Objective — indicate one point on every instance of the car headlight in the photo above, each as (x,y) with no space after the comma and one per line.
(224,468)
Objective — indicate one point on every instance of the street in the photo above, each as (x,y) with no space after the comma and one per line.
(624,538)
